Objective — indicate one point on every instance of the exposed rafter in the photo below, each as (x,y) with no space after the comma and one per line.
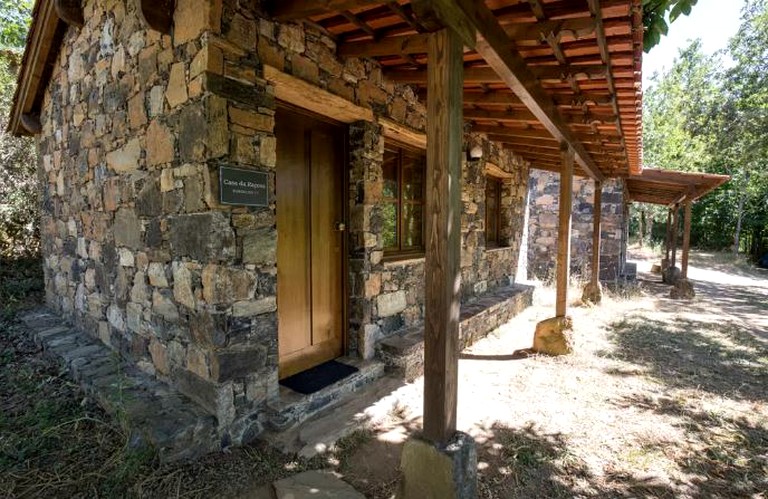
(482,31)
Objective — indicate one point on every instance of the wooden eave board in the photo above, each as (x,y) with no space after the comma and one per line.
(35,68)
(619,117)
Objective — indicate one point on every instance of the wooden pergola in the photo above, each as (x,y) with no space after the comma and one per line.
(557,82)
(673,189)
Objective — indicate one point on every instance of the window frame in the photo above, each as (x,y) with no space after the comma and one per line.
(399,252)
(498,183)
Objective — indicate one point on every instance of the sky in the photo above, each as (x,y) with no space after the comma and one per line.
(714,21)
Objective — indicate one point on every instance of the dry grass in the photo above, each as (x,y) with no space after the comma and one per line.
(660,399)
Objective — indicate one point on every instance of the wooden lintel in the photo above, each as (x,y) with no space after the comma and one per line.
(495,171)
(492,44)
(443,230)
(298,92)
(31,123)
(287,10)
(402,133)
(70,11)
(413,44)
(564,232)
(157,14)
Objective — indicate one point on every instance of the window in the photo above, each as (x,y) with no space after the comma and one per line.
(492,212)
(403,200)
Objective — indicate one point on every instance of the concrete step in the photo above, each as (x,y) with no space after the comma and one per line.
(403,352)
(152,411)
(293,408)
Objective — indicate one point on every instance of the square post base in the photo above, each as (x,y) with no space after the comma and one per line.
(434,471)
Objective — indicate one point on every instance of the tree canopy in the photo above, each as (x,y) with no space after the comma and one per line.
(14,23)
(706,115)
(655,15)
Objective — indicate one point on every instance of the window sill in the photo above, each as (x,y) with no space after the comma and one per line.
(497,248)
(402,259)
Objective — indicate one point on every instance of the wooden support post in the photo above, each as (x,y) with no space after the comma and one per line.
(596,227)
(564,231)
(442,275)
(675,230)
(668,239)
(686,240)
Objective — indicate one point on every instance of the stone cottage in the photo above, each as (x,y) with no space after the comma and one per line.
(230,201)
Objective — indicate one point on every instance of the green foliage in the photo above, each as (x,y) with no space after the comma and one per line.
(14,22)
(700,117)
(655,18)
(19,197)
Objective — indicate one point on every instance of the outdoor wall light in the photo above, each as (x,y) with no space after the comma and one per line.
(475,153)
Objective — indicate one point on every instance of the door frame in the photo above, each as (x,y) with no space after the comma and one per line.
(343,170)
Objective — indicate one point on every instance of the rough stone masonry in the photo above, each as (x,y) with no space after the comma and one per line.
(138,251)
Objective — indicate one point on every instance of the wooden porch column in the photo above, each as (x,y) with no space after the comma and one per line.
(668,240)
(564,231)
(686,240)
(596,228)
(673,238)
(442,276)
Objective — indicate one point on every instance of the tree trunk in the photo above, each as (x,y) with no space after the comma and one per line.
(643,227)
(739,218)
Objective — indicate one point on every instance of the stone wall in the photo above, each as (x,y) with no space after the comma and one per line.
(388,296)
(543,205)
(138,251)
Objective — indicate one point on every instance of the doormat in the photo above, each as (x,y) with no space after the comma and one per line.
(318,377)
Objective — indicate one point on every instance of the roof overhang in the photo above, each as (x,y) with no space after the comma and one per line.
(538,74)
(668,187)
(43,44)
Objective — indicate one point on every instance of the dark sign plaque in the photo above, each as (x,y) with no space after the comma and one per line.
(243,187)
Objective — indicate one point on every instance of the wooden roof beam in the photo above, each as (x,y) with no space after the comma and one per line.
(413,44)
(605,55)
(527,116)
(574,28)
(479,29)
(489,75)
(289,10)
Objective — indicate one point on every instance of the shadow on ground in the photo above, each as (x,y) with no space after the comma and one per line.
(724,456)
(718,357)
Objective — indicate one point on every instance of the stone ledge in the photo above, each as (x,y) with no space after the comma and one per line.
(404,351)
(153,412)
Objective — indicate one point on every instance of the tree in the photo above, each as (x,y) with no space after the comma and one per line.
(698,117)
(14,23)
(18,189)
(655,18)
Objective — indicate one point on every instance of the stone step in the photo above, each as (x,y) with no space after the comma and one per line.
(367,407)
(293,408)
(403,352)
(152,411)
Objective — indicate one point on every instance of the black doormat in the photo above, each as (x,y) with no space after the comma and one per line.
(318,377)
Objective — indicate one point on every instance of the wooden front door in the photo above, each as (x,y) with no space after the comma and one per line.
(310,160)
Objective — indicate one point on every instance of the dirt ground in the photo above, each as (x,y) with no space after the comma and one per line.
(661,398)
